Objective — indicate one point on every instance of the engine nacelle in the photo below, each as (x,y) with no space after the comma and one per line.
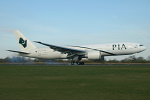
(94,55)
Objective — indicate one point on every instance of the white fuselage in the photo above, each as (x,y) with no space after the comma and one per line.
(105,50)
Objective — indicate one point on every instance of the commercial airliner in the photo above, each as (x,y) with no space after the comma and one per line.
(75,53)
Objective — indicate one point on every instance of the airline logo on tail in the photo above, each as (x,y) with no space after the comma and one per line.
(23,42)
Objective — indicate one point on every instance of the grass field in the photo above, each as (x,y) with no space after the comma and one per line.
(30,82)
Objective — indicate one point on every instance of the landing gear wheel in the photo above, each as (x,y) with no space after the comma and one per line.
(81,63)
(72,63)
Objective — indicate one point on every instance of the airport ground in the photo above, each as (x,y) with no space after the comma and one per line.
(65,82)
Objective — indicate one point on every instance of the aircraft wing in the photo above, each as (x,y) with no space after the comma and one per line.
(18,52)
(95,50)
(63,49)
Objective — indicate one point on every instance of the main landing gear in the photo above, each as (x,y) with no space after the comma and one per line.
(76,60)
(81,63)
(78,63)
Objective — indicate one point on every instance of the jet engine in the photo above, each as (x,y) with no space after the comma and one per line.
(94,55)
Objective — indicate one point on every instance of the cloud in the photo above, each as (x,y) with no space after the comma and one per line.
(6,30)
(111,25)
(48,29)
(115,17)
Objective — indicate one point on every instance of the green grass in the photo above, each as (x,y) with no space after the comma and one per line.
(24,82)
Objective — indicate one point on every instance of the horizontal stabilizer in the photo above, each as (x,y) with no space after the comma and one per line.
(18,52)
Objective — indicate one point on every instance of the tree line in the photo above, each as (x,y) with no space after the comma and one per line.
(29,60)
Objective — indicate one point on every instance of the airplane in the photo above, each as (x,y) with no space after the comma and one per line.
(75,53)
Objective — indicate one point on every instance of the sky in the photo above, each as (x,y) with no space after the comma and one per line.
(75,22)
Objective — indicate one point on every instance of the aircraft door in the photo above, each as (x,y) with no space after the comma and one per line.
(39,52)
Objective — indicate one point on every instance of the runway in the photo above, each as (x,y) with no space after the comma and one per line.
(66,64)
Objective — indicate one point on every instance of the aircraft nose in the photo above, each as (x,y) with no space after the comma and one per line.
(144,48)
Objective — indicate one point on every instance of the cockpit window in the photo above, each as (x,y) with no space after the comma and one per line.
(141,45)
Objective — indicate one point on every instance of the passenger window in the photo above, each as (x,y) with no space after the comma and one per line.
(135,46)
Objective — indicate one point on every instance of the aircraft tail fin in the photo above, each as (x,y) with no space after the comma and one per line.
(24,43)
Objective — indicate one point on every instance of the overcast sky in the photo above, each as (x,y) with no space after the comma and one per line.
(75,22)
